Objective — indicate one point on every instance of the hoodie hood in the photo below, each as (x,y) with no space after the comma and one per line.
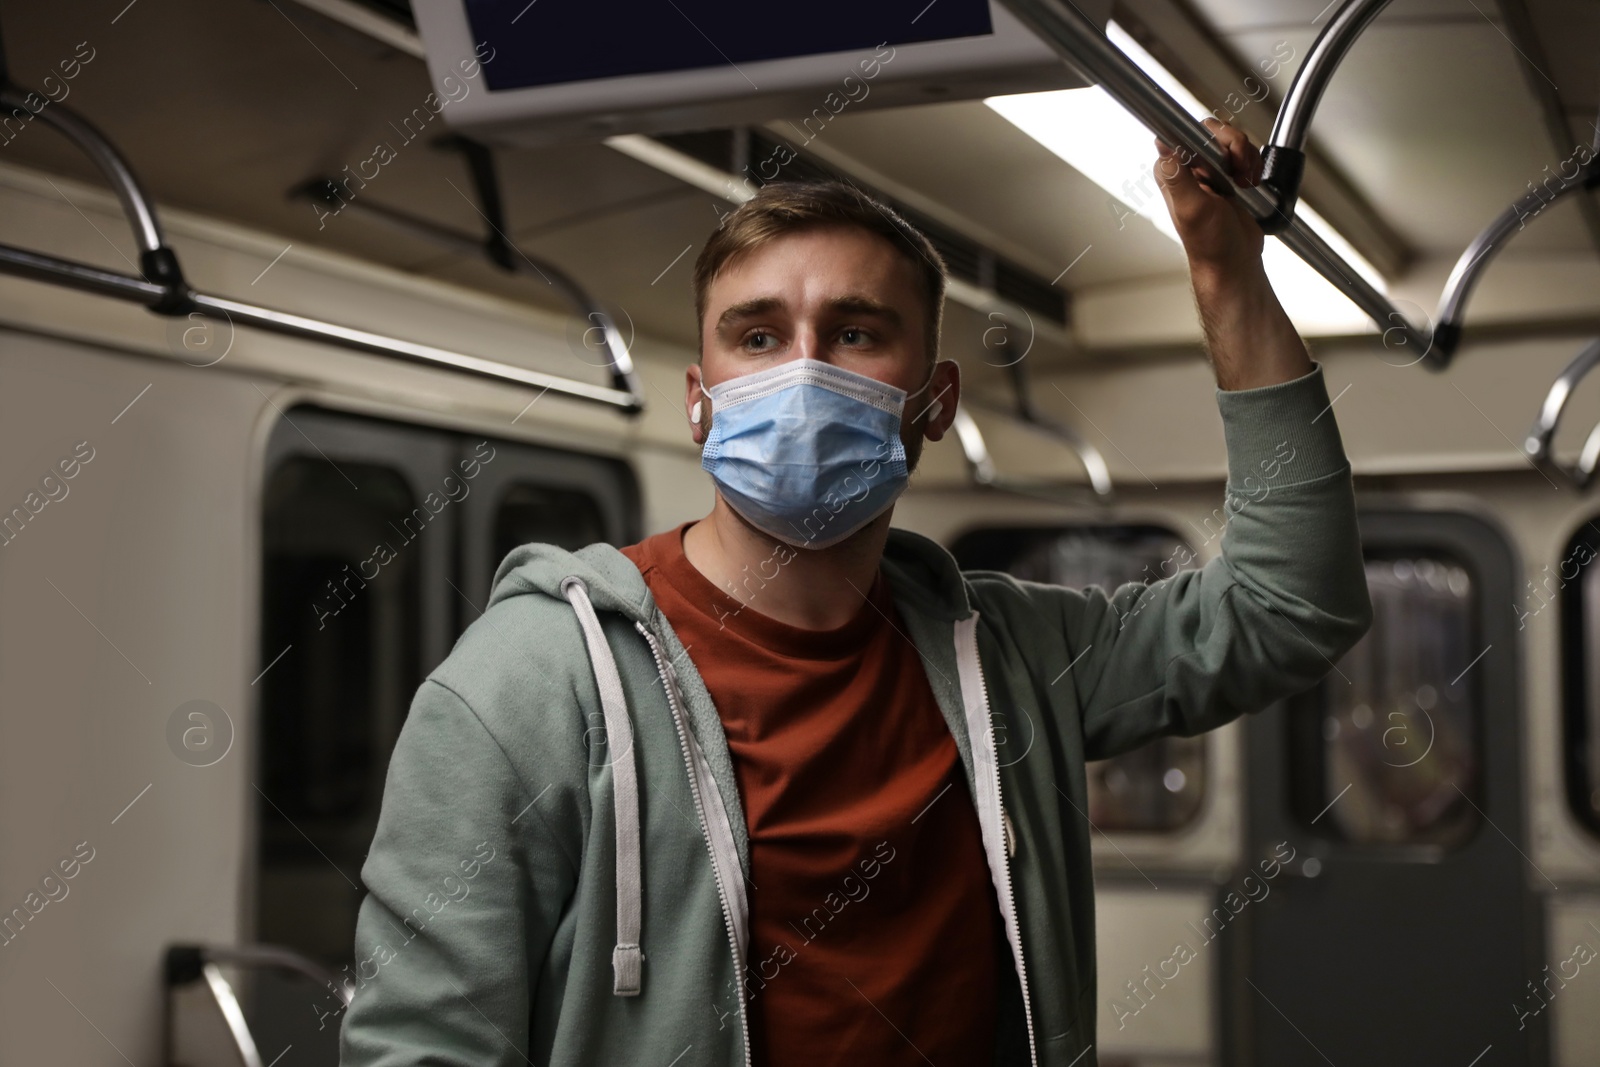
(925,576)
(921,572)
(613,582)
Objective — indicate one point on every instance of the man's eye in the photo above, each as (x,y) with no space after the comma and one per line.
(853,336)
(758,339)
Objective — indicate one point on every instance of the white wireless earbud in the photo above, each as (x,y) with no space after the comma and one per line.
(934,409)
(694,413)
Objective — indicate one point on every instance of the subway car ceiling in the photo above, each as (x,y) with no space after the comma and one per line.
(1438,118)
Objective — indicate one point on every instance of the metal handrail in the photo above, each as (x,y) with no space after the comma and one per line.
(1094,463)
(227,1001)
(1087,49)
(1475,260)
(1284,157)
(136,203)
(974,450)
(163,290)
(1458,288)
(1538,444)
(982,471)
(498,250)
(157,262)
(187,964)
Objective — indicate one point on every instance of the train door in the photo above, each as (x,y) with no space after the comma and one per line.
(1400,921)
(378,544)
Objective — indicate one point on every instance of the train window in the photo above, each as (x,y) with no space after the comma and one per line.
(526,494)
(1576,582)
(531,512)
(1158,787)
(1386,748)
(340,640)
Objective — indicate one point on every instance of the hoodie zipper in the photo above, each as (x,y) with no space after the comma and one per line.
(669,682)
(968,666)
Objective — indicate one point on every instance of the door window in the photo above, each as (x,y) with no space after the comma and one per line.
(528,512)
(346,643)
(1574,583)
(1387,747)
(1158,787)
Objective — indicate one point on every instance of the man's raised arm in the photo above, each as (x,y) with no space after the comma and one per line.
(1288,596)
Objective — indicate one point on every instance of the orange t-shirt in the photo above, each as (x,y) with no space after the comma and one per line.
(873,922)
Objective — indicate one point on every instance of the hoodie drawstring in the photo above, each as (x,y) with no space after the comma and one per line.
(627,958)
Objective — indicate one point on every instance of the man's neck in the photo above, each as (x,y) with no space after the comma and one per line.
(813,589)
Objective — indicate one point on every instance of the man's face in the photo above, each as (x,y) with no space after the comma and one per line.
(839,295)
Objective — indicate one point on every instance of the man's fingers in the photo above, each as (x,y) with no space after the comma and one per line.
(1241,157)
(1244,159)
(1182,168)
(1184,195)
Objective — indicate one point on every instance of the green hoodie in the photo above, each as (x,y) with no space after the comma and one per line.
(559,871)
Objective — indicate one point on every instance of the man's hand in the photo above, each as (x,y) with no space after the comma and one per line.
(1217,232)
(1248,337)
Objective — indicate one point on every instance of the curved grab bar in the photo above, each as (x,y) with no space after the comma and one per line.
(157,262)
(244,1042)
(185,961)
(163,290)
(973,448)
(497,245)
(1082,44)
(1475,260)
(1284,156)
(1538,442)
(1094,464)
(976,452)
(980,464)
(103,154)
(187,964)
(497,251)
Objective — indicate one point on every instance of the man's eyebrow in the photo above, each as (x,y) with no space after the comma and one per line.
(747,309)
(864,305)
(845,305)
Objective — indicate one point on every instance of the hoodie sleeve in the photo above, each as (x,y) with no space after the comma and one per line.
(459,911)
(1267,618)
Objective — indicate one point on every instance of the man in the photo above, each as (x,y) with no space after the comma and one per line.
(734,794)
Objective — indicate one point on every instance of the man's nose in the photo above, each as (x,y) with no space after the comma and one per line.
(808,344)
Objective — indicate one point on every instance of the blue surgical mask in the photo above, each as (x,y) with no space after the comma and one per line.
(806,451)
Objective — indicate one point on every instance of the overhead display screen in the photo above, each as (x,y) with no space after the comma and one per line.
(552,42)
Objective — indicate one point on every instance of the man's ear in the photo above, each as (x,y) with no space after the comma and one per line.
(695,404)
(944,395)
